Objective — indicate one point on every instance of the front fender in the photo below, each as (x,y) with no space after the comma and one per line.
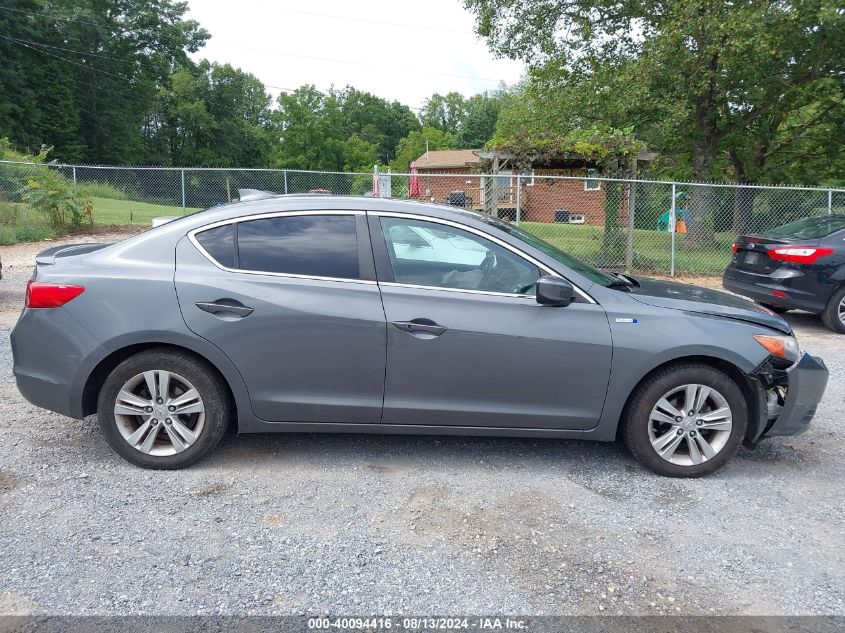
(660,336)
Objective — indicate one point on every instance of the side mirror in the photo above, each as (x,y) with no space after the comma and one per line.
(554,291)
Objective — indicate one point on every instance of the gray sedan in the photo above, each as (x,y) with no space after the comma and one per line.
(366,315)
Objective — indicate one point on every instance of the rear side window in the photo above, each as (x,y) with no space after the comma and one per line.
(220,244)
(312,245)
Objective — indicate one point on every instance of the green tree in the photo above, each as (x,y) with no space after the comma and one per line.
(734,77)
(444,112)
(359,155)
(481,113)
(414,145)
(309,128)
(375,120)
(85,73)
(210,115)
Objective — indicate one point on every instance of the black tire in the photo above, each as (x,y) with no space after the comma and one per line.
(830,316)
(635,422)
(207,382)
(775,309)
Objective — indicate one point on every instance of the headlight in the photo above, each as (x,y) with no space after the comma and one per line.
(785,347)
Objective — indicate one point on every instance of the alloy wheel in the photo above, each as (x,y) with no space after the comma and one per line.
(841,311)
(159,413)
(690,424)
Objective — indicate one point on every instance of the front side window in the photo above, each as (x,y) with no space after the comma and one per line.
(310,245)
(431,254)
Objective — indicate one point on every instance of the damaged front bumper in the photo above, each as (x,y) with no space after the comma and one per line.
(787,398)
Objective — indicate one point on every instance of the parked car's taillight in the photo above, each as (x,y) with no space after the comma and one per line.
(798,254)
(41,294)
(734,247)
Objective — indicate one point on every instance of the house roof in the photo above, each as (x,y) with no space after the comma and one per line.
(451,158)
(443,158)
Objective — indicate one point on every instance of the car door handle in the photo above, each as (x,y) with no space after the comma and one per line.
(225,308)
(421,326)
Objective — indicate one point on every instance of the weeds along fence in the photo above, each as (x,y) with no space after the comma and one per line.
(656,227)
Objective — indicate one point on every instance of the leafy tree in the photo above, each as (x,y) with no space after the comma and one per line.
(735,77)
(359,155)
(84,72)
(481,113)
(377,121)
(210,115)
(414,145)
(444,112)
(309,127)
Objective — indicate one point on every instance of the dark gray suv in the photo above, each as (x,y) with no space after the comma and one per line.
(316,313)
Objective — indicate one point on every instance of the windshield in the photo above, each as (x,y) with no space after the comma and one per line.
(593,274)
(810,228)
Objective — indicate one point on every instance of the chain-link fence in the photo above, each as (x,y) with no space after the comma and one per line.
(667,228)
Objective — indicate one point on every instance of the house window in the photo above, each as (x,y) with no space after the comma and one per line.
(504,184)
(592,183)
(526,178)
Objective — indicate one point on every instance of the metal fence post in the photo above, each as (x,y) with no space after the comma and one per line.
(629,250)
(74,175)
(183,191)
(829,201)
(518,190)
(673,221)
(286,181)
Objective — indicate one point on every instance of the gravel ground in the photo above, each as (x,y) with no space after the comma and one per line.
(289,524)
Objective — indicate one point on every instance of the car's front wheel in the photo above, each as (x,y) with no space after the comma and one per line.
(834,314)
(163,409)
(686,420)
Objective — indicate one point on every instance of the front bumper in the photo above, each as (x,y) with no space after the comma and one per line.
(805,383)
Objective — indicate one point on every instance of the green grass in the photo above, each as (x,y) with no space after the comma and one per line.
(652,249)
(108,211)
(20,223)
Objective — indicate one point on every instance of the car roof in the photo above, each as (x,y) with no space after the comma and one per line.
(310,202)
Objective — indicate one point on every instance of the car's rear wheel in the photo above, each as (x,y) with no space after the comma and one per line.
(163,409)
(834,314)
(687,420)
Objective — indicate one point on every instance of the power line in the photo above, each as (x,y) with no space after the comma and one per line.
(346,18)
(50,15)
(355,63)
(70,61)
(69,50)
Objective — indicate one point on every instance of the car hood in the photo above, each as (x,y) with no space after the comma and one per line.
(671,294)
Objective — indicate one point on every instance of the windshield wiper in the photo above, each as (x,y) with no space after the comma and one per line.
(622,282)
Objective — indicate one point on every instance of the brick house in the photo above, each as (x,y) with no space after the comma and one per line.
(456,176)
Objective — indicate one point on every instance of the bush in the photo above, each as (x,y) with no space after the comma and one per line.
(55,196)
(15,233)
(10,213)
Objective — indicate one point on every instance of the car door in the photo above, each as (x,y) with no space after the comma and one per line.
(291,298)
(468,345)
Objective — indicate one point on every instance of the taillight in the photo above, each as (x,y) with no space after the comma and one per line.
(734,248)
(42,294)
(799,254)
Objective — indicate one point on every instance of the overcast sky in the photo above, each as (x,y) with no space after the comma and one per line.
(396,49)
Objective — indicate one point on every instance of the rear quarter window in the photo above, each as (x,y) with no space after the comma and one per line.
(219,243)
(309,245)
